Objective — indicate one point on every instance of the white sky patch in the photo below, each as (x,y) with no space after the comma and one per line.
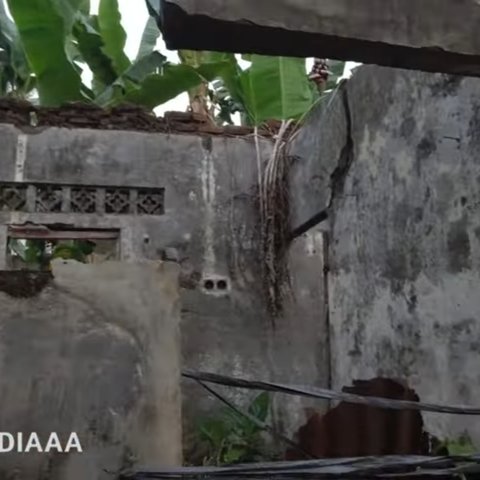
(134,18)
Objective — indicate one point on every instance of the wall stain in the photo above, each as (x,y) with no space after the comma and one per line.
(408,127)
(412,300)
(446,86)
(426,147)
(474,126)
(477,233)
(459,250)
(402,264)
(24,284)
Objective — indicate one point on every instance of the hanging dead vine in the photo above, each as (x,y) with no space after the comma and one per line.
(275,219)
(274,208)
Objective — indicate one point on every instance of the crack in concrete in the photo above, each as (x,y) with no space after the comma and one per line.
(340,173)
(338,176)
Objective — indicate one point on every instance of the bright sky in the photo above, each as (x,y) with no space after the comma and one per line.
(134,18)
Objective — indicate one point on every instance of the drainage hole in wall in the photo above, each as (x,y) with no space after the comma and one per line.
(209,285)
(216,285)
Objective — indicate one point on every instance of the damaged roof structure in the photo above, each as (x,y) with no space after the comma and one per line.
(383,32)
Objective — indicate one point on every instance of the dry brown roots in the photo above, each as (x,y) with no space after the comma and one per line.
(274,218)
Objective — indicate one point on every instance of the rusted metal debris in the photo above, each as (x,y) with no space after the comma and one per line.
(350,430)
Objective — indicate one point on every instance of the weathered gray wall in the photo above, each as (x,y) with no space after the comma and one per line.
(404,228)
(95,352)
(211,220)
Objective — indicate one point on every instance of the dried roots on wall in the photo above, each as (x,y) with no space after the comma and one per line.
(275,220)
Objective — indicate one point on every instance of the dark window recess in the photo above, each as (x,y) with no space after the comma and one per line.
(34,248)
(13,198)
(83,200)
(48,199)
(150,202)
(52,198)
(117,200)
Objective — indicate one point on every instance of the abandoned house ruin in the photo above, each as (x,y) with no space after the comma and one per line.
(385,286)
(383,261)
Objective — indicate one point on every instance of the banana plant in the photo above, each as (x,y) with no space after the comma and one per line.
(198,95)
(51,41)
(44,28)
(16,77)
(276,88)
(59,36)
(270,88)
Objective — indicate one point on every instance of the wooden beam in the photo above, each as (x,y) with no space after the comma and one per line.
(429,35)
(44,233)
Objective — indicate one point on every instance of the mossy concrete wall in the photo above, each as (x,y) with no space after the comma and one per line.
(397,173)
(210,226)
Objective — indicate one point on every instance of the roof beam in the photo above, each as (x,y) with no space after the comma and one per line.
(429,35)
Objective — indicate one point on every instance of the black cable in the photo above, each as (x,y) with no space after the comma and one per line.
(326,394)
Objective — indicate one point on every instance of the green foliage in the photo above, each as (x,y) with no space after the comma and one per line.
(73,250)
(173,80)
(113,34)
(31,252)
(149,38)
(43,28)
(227,106)
(59,35)
(90,46)
(50,41)
(270,88)
(463,445)
(37,254)
(233,438)
(275,88)
(15,73)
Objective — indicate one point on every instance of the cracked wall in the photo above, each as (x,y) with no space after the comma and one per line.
(95,350)
(210,226)
(404,243)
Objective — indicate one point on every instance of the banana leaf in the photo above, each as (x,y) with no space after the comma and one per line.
(43,26)
(276,88)
(149,38)
(113,34)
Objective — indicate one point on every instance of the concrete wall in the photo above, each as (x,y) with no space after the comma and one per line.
(433,35)
(211,223)
(404,228)
(96,352)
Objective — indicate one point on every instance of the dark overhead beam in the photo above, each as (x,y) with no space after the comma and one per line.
(430,35)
